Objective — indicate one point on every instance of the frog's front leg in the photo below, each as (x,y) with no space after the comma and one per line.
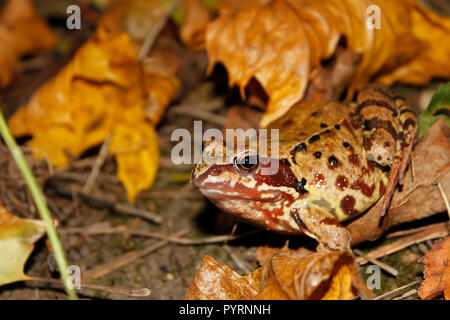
(322,226)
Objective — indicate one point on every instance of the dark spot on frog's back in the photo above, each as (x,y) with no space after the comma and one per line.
(287,123)
(409,122)
(317,154)
(314,138)
(333,162)
(363,187)
(353,158)
(341,183)
(330,222)
(300,147)
(301,186)
(348,206)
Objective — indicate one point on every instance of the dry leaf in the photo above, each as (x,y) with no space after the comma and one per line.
(282,44)
(331,275)
(16,244)
(437,271)
(420,196)
(104,90)
(263,254)
(195,19)
(22,32)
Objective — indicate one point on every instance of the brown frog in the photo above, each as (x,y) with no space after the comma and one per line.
(334,162)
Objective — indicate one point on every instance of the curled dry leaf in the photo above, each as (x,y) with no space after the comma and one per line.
(282,44)
(22,32)
(420,197)
(104,90)
(437,271)
(16,244)
(316,276)
(195,18)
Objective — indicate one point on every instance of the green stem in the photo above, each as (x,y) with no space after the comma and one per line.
(40,203)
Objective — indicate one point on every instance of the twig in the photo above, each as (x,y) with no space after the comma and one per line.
(155,31)
(438,231)
(406,295)
(444,196)
(126,259)
(382,265)
(127,292)
(177,240)
(395,291)
(39,200)
(117,207)
(97,167)
(414,230)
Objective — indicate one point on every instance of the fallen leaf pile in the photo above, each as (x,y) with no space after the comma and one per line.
(105,90)
(282,44)
(16,244)
(317,276)
(22,32)
(437,271)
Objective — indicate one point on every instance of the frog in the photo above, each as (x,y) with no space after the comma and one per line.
(334,161)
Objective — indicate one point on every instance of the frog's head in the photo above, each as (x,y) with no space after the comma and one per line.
(247,184)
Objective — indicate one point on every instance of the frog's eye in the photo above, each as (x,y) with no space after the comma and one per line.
(246,161)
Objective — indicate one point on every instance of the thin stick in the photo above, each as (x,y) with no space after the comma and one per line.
(126,259)
(39,199)
(414,230)
(406,295)
(127,292)
(155,31)
(382,265)
(438,231)
(397,290)
(177,240)
(444,196)
(97,167)
(118,207)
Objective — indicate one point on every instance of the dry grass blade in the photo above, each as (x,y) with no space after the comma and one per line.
(141,233)
(382,265)
(437,231)
(126,292)
(396,291)
(102,156)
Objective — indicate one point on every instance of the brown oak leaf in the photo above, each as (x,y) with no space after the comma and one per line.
(437,271)
(326,276)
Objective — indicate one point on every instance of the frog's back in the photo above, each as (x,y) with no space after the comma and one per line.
(323,144)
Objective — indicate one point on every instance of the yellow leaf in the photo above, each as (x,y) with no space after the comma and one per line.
(104,90)
(136,149)
(16,244)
